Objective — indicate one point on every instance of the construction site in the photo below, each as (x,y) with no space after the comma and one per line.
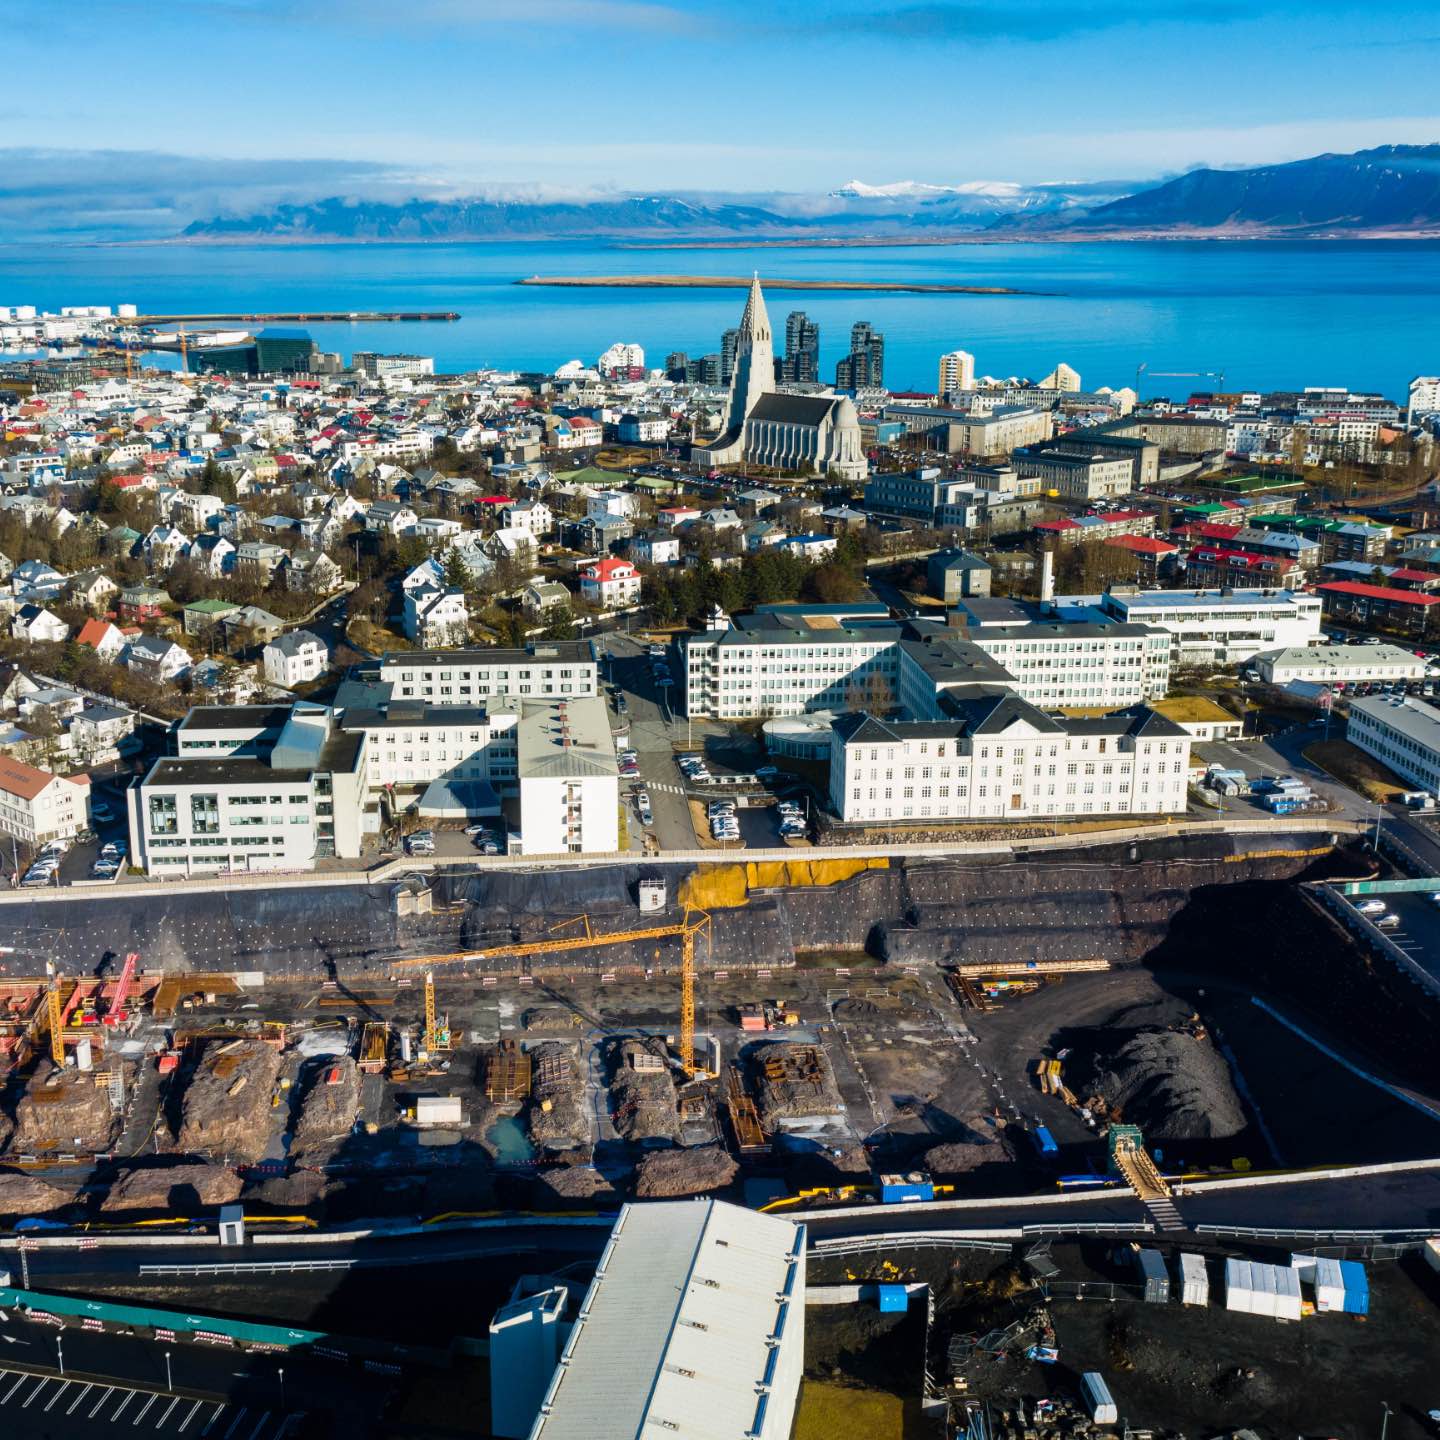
(552,1038)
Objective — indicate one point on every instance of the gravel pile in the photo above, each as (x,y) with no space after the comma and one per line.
(24,1195)
(1172,1085)
(177,1189)
(667,1174)
(642,1102)
(329,1109)
(63,1110)
(555,1115)
(945,1162)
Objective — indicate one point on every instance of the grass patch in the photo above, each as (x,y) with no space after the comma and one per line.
(842,1412)
(1353,767)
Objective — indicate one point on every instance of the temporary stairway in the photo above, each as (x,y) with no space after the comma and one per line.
(1134,1163)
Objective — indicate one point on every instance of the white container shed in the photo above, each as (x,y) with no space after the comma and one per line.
(1239,1294)
(1325,1276)
(1098,1399)
(1194,1280)
(1287,1292)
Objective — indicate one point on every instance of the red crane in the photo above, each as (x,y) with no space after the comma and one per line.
(116,1011)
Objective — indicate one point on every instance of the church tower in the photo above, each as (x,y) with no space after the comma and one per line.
(754,374)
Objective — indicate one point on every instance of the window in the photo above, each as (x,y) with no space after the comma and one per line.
(163,815)
(204,814)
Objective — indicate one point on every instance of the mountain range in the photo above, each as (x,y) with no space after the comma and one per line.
(1390,191)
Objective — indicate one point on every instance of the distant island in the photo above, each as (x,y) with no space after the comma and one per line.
(1391,192)
(740,282)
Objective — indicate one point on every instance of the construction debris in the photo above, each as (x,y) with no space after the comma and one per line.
(23,1195)
(667,1174)
(556,1116)
(220,1115)
(175,1189)
(642,1092)
(572,1182)
(794,1081)
(507,1073)
(945,1162)
(328,1111)
(64,1111)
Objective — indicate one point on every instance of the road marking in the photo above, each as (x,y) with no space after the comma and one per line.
(15,1387)
(129,1396)
(191,1415)
(140,1413)
(35,1392)
(80,1397)
(160,1423)
(211,1421)
(259,1425)
(58,1394)
(234,1424)
(109,1391)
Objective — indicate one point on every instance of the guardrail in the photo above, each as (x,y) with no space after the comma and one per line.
(250,1267)
(1415,1237)
(994,1241)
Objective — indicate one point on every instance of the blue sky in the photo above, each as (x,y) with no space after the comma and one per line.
(236,101)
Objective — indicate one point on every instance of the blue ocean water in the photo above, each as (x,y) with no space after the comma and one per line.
(1266,314)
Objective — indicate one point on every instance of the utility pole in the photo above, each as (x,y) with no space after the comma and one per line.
(169,1382)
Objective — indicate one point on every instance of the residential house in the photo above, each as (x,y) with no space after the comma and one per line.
(813,547)
(140,604)
(720,518)
(540,597)
(655,547)
(676,515)
(390,517)
(202,617)
(295,658)
(256,561)
(38,625)
(156,659)
(764,535)
(518,545)
(214,555)
(102,637)
(163,546)
(436,617)
(609,583)
(37,807)
(194,512)
(250,625)
(100,734)
(533,517)
(36,581)
(312,571)
(93,590)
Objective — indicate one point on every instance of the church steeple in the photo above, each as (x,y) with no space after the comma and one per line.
(754,374)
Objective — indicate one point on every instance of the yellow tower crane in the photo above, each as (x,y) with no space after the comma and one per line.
(694,923)
(57,1032)
(437,1033)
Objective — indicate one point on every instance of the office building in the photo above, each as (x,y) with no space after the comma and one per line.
(1340,665)
(957,372)
(864,367)
(547,669)
(694,1324)
(1353,602)
(1216,627)
(729,348)
(1084,478)
(1401,733)
(375,366)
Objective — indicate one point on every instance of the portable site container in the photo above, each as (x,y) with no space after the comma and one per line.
(1194,1280)
(891,1298)
(1286,1305)
(1153,1276)
(1357,1287)
(1323,1275)
(1239,1294)
(1098,1399)
(1432,1254)
(1044,1141)
(906,1189)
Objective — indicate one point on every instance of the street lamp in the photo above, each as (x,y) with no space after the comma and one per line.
(169,1382)
(1385,1413)
(282,1391)
(60,1351)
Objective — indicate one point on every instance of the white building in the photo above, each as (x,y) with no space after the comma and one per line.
(569,779)
(1401,733)
(609,583)
(436,616)
(295,658)
(621,359)
(694,1325)
(611,505)
(553,669)
(37,807)
(1218,627)
(534,517)
(1000,759)
(1424,397)
(1340,664)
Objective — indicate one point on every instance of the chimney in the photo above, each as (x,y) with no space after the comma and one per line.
(1047,577)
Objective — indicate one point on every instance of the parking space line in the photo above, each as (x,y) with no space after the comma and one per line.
(119,1409)
(234,1424)
(109,1391)
(160,1423)
(35,1392)
(259,1425)
(211,1422)
(14,1388)
(63,1388)
(80,1397)
(140,1413)
(190,1416)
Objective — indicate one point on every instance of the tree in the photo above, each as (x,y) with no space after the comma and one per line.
(560,624)
(456,572)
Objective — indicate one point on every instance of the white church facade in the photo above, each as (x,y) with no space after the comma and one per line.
(815,434)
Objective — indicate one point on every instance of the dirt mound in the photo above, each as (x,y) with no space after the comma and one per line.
(304,1190)
(226,1109)
(642,1092)
(572,1182)
(667,1174)
(466,1188)
(184,1188)
(23,1195)
(794,1081)
(330,1106)
(63,1110)
(1173,1085)
(947,1161)
(849,1165)
(556,1115)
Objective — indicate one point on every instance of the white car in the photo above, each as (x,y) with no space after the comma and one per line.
(1374,907)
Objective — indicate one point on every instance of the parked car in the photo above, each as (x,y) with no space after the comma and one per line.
(422,842)
(1389,922)
(1371,907)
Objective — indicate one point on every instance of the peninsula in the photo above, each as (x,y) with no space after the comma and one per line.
(739,282)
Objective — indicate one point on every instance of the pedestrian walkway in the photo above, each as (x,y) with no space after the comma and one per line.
(58,1406)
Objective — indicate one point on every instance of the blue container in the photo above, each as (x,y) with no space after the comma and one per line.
(1357,1287)
(1045,1141)
(892,1299)
(906,1192)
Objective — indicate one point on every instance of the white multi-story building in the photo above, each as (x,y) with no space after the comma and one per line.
(548,670)
(392,367)
(621,359)
(568,778)
(1076,477)
(1424,397)
(436,616)
(1218,627)
(37,807)
(609,583)
(999,759)
(1340,664)
(1401,733)
(533,517)
(295,658)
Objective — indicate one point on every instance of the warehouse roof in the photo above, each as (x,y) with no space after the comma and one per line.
(675,1335)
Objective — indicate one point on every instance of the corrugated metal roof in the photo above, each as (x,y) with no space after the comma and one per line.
(673,1338)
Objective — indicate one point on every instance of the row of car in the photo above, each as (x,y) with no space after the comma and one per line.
(641,797)
(1382,916)
(107,863)
(791,820)
(693,767)
(724,824)
(660,668)
(629,764)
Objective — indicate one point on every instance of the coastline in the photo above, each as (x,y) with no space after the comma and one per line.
(739,282)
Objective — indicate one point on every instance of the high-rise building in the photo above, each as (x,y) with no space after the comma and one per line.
(677,365)
(729,344)
(802,349)
(957,372)
(1062,377)
(865,364)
